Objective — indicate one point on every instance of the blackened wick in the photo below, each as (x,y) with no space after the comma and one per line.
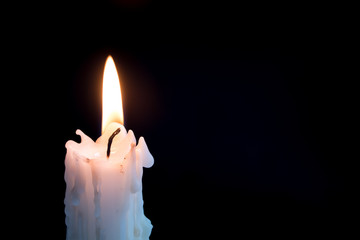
(110,141)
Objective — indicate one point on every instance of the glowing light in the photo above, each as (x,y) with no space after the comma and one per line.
(112,110)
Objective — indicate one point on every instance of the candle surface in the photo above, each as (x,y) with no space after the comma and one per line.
(103,199)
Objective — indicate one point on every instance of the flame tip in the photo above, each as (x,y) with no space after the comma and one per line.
(109,57)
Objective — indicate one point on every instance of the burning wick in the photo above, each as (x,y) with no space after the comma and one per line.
(110,141)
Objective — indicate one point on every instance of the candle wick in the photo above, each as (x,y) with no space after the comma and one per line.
(110,141)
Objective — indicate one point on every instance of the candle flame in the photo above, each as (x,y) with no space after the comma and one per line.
(112,110)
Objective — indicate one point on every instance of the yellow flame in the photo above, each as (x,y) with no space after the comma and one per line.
(112,110)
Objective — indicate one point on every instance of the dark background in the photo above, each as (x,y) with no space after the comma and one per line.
(239,105)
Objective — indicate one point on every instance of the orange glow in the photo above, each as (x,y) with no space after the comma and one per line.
(112,110)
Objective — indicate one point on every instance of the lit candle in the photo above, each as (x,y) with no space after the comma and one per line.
(103,197)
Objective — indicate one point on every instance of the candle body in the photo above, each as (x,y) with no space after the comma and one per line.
(103,198)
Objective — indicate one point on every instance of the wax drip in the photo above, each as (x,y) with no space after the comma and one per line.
(110,141)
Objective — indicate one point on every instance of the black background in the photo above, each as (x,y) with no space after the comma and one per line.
(240,106)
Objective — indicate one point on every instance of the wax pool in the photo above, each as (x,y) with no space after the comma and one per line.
(103,198)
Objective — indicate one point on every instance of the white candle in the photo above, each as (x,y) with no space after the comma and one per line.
(103,197)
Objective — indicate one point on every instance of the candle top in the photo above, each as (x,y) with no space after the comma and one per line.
(88,150)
